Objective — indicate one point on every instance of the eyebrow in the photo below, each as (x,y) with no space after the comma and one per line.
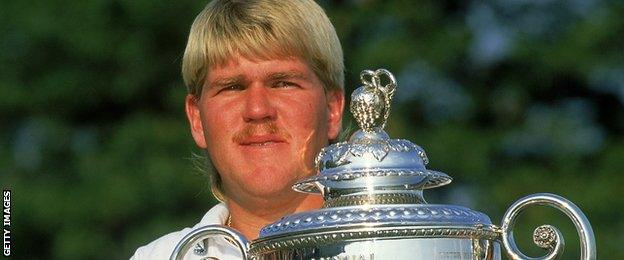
(287,75)
(240,79)
(226,81)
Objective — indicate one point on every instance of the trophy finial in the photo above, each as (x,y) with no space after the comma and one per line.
(370,104)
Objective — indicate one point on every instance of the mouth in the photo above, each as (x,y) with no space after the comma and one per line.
(261,141)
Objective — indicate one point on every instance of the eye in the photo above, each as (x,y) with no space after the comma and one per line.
(233,87)
(284,84)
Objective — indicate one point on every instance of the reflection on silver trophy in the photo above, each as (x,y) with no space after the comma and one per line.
(374,205)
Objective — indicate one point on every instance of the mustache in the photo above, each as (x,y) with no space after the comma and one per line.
(268,128)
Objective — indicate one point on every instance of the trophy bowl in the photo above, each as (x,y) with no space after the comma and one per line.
(374,206)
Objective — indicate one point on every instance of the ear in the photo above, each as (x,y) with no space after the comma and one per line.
(194,116)
(335,107)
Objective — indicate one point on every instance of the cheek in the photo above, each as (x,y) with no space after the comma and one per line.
(310,118)
(217,126)
(307,125)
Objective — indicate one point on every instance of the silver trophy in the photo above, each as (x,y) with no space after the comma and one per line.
(374,205)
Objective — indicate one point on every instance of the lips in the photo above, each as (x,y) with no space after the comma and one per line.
(261,140)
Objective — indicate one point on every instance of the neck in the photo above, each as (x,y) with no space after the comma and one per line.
(249,219)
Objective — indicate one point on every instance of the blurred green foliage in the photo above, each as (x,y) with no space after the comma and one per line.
(508,97)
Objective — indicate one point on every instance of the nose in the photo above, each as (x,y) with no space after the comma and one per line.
(258,104)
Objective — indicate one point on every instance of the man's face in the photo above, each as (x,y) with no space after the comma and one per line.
(263,122)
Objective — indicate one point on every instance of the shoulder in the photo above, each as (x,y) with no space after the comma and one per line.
(162,247)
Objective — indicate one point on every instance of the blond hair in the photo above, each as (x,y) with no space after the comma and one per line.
(261,29)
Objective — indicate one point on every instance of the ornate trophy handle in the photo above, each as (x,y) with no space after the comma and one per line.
(547,236)
(210,230)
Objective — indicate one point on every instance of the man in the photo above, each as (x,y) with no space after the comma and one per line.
(265,82)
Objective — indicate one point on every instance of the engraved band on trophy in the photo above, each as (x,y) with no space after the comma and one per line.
(374,206)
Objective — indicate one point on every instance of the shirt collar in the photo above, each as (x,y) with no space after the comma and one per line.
(216,215)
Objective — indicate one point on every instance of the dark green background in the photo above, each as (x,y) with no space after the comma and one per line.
(508,97)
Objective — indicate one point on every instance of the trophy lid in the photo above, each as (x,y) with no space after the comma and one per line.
(372,185)
(371,164)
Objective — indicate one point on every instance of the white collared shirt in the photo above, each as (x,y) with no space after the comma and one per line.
(217,248)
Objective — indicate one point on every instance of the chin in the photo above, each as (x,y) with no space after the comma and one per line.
(269,184)
(271,193)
